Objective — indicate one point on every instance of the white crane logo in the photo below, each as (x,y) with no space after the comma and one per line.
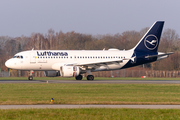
(151,42)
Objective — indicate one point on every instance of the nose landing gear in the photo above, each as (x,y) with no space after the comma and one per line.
(30,78)
(30,75)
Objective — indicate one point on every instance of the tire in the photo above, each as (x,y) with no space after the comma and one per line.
(90,77)
(79,77)
(30,78)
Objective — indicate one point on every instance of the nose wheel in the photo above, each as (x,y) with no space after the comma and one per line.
(30,75)
(30,78)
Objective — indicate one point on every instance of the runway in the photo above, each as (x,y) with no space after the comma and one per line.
(96,81)
(89,106)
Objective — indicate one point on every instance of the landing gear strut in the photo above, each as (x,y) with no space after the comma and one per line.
(30,75)
(79,77)
(90,77)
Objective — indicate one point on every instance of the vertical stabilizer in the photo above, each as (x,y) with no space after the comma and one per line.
(150,41)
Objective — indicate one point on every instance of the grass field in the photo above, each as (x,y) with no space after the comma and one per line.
(96,78)
(90,114)
(24,93)
(41,93)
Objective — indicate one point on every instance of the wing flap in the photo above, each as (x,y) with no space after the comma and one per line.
(97,63)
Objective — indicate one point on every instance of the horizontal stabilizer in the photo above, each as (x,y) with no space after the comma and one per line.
(159,55)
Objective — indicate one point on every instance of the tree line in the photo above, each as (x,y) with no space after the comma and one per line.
(52,40)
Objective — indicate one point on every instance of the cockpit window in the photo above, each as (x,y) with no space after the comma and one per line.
(18,56)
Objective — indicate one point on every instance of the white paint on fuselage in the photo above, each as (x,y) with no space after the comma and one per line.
(31,61)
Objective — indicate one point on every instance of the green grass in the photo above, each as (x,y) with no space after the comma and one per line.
(96,78)
(89,93)
(91,114)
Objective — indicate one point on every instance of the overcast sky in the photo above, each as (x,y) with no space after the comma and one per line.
(23,17)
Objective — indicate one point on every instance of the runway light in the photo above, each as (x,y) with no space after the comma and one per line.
(52,100)
(47,81)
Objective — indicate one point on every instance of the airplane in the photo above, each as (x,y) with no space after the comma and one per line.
(74,63)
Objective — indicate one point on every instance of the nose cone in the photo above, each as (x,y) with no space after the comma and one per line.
(8,64)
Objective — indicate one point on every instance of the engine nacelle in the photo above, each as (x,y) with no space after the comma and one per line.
(69,71)
(51,73)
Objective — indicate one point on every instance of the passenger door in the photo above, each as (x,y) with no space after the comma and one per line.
(33,57)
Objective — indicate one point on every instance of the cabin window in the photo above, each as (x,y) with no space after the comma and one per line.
(18,56)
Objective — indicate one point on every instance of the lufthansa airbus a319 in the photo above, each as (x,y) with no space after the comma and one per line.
(74,63)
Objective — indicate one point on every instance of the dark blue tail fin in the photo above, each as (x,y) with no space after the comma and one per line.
(150,41)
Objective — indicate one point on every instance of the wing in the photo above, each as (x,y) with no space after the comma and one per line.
(89,65)
(96,64)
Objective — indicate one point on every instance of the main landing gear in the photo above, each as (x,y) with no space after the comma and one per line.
(79,77)
(30,75)
(89,77)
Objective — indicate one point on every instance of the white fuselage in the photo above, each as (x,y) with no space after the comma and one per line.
(41,60)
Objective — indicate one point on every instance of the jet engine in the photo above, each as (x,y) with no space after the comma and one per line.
(51,73)
(69,71)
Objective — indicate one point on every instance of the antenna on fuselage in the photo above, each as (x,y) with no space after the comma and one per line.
(32,49)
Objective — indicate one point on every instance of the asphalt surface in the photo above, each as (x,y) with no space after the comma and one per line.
(96,81)
(89,106)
